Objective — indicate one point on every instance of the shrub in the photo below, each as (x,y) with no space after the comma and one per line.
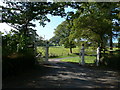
(16,63)
(111,60)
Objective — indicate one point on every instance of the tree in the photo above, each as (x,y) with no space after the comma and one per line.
(20,14)
(55,40)
(63,31)
(40,41)
(8,41)
(90,30)
(119,41)
(111,11)
(94,20)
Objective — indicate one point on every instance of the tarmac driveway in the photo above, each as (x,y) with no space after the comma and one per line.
(58,74)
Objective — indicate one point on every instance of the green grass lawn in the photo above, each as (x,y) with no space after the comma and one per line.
(88,59)
(58,51)
(61,52)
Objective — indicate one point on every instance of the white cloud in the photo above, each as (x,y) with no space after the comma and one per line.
(4,27)
(2,4)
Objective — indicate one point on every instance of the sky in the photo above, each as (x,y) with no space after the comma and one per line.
(46,32)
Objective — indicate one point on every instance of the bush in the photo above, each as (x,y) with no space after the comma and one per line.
(111,60)
(16,63)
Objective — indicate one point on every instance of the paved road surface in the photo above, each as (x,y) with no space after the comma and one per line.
(65,75)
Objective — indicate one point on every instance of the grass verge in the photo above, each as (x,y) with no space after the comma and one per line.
(88,59)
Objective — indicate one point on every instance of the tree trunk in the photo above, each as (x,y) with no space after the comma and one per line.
(118,42)
(111,42)
(100,50)
(70,50)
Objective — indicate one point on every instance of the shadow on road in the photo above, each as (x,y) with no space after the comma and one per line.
(64,75)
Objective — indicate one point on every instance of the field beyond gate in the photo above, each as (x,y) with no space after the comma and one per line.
(61,52)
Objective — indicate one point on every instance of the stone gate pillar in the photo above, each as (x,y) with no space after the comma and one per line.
(82,55)
(98,56)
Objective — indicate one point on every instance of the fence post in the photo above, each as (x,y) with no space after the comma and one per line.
(35,48)
(47,50)
(82,55)
(17,47)
(98,56)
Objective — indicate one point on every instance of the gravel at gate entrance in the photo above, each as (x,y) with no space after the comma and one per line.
(64,75)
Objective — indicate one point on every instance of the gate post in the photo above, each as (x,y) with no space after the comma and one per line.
(82,55)
(47,50)
(98,56)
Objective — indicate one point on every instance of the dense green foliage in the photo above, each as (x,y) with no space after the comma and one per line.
(95,20)
(111,60)
(20,14)
(17,63)
(62,33)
